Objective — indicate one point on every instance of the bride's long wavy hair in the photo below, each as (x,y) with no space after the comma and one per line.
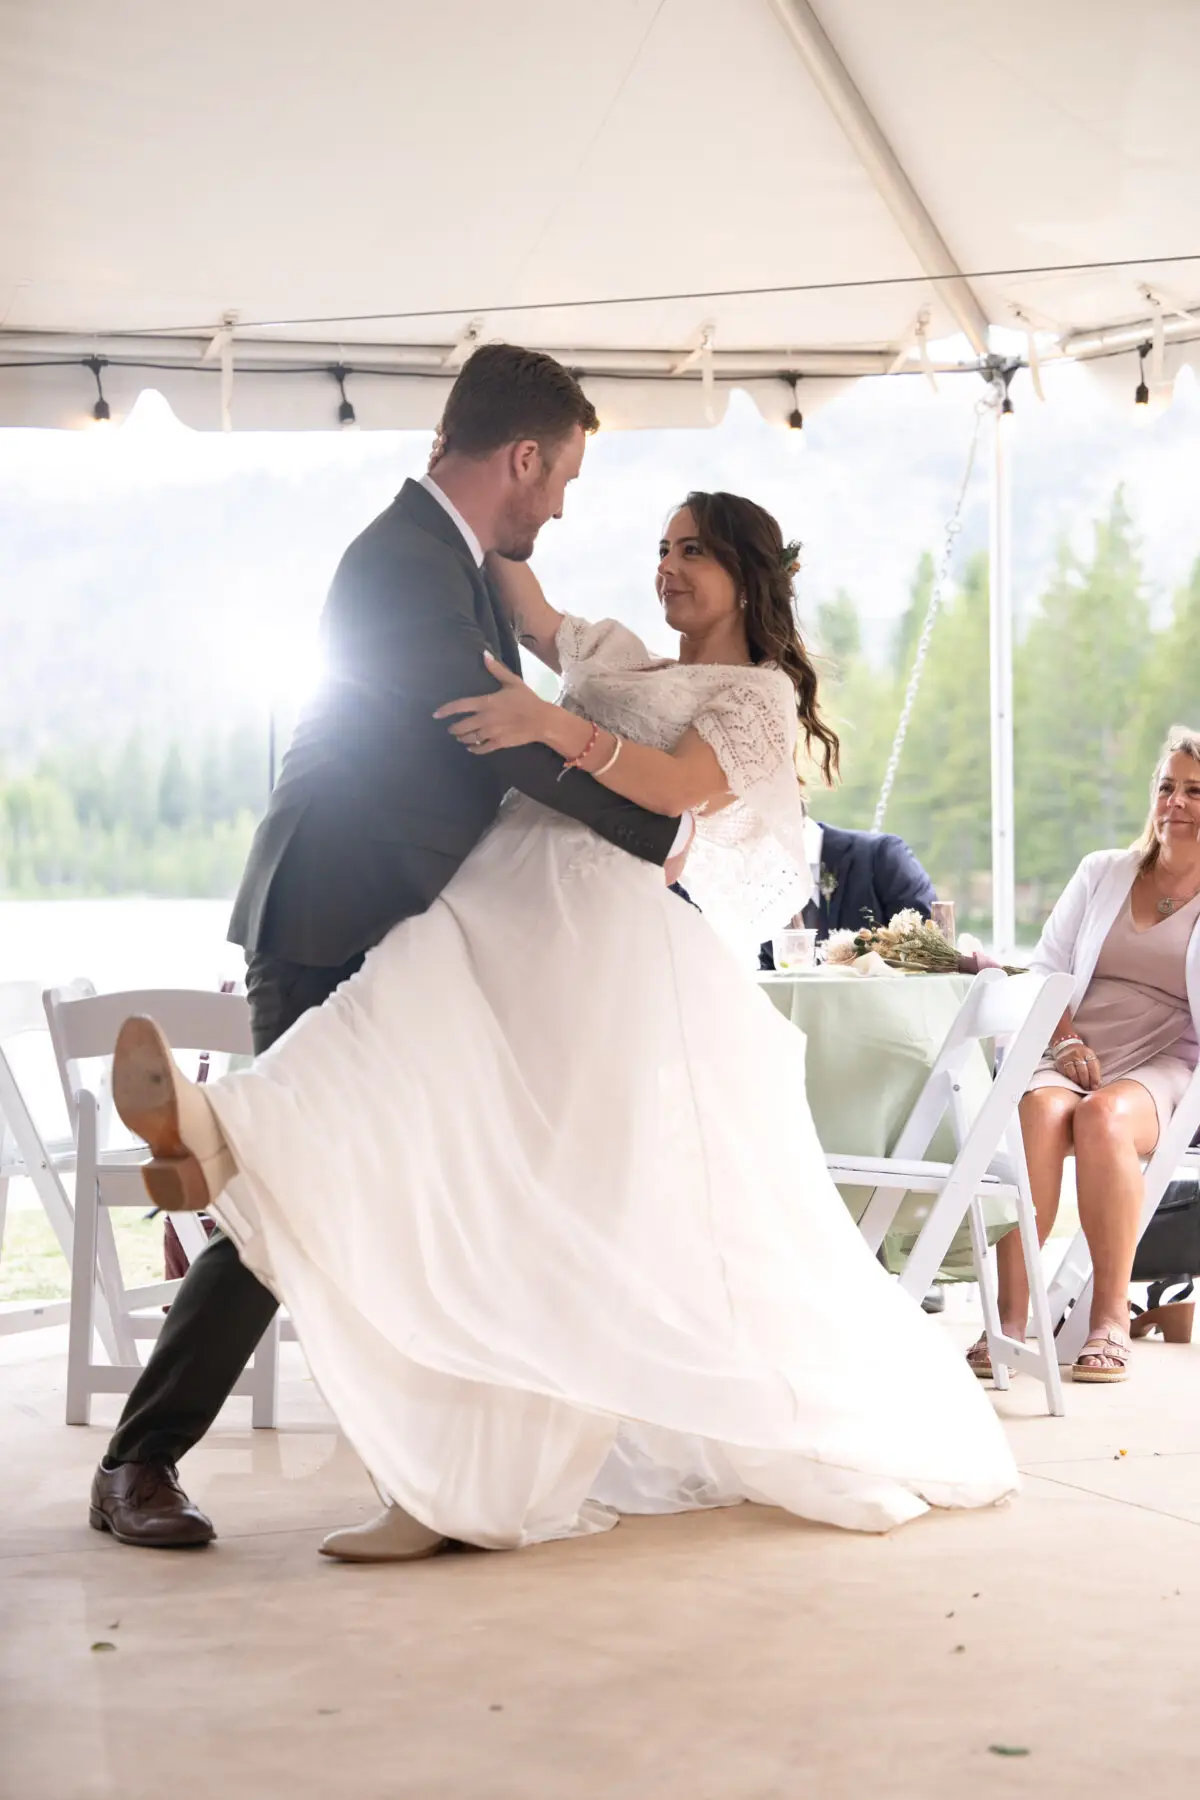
(748,544)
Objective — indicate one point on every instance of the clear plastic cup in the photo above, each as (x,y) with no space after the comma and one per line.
(794,950)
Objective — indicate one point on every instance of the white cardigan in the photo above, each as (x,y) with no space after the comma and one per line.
(1074,933)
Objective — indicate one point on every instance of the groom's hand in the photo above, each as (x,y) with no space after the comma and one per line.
(500,721)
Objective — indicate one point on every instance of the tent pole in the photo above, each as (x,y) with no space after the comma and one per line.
(1000,611)
(837,88)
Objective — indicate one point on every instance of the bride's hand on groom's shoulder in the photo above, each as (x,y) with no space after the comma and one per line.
(500,721)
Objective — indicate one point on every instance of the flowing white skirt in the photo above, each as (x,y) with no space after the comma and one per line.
(542,1193)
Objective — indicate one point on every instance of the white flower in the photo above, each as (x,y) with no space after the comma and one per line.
(839,948)
(906,921)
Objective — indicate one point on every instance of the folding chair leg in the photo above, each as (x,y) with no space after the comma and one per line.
(878,1214)
(1069,1278)
(112,1286)
(3,1208)
(1073,1332)
(1043,1327)
(264,1406)
(987,1294)
(937,1234)
(83,1299)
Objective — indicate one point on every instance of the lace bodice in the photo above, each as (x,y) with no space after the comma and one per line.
(748,871)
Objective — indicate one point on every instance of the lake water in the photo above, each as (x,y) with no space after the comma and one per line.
(118,943)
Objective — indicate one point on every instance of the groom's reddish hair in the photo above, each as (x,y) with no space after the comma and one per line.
(505,394)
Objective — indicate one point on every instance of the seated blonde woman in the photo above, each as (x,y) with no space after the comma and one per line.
(1128,929)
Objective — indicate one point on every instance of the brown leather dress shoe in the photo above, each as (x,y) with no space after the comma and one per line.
(143,1504)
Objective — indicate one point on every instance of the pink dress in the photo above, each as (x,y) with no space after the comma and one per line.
(1135,1014)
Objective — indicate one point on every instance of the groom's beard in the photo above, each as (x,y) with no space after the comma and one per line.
(517,544)
(517,531)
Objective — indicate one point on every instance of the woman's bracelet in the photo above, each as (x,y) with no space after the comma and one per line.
(583,754)
(611,763)
(1065,1044)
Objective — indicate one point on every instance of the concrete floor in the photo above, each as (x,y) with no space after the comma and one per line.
(723,1656)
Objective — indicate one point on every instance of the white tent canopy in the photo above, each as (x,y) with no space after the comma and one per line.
(674,195)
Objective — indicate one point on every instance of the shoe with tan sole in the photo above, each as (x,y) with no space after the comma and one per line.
(393,1536)
(1105,1357)
(190,1162)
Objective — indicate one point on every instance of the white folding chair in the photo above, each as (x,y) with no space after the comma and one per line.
(1070,1291)
(83,1028)
(26,1153)
(1020,1010)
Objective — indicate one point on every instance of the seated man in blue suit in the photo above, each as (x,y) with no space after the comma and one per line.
(859,878)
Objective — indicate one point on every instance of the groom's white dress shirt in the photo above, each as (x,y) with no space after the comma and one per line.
(446,503)
(687,824)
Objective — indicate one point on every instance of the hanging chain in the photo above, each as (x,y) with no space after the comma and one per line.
(941,577)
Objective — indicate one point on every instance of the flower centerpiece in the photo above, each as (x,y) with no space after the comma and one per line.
(908,942)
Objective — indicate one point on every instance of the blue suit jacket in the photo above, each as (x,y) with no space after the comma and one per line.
(874,876)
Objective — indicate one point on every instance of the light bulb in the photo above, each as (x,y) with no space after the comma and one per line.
(1149,405)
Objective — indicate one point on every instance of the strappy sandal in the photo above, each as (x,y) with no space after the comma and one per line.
(979,1359)
(1111,1347)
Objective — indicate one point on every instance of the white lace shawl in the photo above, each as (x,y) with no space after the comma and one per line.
(748,870)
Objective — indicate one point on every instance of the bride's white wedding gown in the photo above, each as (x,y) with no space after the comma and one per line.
(541,1189)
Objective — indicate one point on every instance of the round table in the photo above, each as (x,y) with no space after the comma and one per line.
(871,1043)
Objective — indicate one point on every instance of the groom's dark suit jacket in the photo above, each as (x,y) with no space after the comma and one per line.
(376,804)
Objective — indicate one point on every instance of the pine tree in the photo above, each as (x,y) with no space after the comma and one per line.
(908,627)
(1170,688)
(176,791)
(839,633)
(942,799)
(134,789)
(1079,677)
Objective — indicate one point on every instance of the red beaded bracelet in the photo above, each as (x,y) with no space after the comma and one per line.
(583,754)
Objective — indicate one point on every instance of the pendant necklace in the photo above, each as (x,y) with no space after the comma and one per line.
(1166,906)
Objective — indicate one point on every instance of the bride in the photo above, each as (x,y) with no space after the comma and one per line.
(585,1256)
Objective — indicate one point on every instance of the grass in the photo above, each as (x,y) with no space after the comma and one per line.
(32,1267)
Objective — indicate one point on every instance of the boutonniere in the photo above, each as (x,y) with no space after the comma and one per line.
(827,883)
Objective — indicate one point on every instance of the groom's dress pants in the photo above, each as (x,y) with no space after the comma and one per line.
(221,1310)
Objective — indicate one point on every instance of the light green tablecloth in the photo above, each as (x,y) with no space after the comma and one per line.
(871,1044)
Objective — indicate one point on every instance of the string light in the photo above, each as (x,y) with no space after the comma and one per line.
(793,424)
(102,411)
(996,371)
(346,414)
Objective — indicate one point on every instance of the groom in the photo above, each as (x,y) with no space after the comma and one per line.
(376,807)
